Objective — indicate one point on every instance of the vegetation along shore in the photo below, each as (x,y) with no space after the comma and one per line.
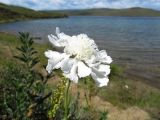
(131,98)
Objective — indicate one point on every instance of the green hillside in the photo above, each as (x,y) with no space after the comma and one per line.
(13,13)
(113,12)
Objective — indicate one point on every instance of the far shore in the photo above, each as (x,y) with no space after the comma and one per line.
(27,19)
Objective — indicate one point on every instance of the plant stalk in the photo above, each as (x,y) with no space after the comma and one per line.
(66,100)
(87,94)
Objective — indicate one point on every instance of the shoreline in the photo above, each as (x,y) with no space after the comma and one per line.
(27,19)
(67,16)
(147,74)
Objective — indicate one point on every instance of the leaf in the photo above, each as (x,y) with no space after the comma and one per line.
(34,52)
(30,42)
(34,61)
(20,58)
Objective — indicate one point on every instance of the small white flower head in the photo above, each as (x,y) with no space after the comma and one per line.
(126,86)
(80,58)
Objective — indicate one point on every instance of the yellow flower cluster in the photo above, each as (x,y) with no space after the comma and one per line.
(57,98)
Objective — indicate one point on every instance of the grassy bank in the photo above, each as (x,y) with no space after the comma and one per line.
(10,13)
(119,97)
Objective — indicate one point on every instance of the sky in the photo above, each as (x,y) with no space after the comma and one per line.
(83,4)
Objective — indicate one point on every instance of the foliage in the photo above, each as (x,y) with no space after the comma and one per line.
(14,98)
(27,51)
(24,89)
(115,70)
(103,115)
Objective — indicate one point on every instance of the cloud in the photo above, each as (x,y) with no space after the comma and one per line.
(80,4)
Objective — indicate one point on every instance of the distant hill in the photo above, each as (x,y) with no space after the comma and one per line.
(13,13)
(136,11)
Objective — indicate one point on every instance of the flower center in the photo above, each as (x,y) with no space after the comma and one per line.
(81,46)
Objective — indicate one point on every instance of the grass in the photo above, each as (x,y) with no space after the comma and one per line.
(121,91)
(124,93)
(8,43)
(136,93)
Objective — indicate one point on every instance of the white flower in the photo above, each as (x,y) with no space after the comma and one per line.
(81,46)
(80,57)
(126,86)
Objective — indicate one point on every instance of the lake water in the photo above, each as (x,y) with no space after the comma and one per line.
(131,41)
(127,39)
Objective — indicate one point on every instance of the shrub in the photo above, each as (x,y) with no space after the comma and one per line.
(23,89)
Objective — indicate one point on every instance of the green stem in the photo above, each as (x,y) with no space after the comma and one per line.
(66,100)
(86,95)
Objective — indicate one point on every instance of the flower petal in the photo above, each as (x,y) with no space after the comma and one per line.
(60,63)
(104,68)
(103,57)
(57,43)
(91,61)
(62,38)
(53,39)
(101,81)
(100,76)
(83,70)
(73,73)
(53,54)
(97,72)
(54,59)
(57,31)
(50,66)
(67,65)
